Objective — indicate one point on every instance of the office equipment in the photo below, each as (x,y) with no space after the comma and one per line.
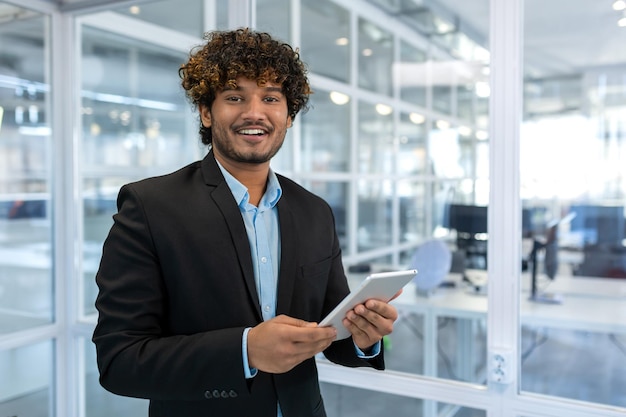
(477,280)
(470,224)
(598,224)
(551,264)
(601,234)
(534,221)
(466,219)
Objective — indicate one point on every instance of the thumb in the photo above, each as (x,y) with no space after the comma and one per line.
(292,321)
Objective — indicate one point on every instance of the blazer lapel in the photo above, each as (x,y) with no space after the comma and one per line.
(223,198)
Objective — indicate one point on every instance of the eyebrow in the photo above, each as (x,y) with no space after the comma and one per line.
(268,88)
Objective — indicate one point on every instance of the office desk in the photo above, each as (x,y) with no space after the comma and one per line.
(580,286)
(589,304)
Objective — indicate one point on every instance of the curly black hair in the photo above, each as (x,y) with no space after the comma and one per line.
(228,55)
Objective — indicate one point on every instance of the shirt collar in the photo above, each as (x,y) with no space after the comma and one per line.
(272,194)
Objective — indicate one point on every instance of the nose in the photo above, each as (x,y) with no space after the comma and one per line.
(254,109)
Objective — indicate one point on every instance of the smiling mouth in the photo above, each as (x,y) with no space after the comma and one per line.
(253,132)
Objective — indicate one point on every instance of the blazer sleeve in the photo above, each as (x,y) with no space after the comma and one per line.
(137,354)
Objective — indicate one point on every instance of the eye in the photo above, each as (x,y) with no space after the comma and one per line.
(233,98)
(272,99)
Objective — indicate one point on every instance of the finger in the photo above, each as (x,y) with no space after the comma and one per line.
(372,322)
(292,321)
(380,308)
(315,334)
(372,312)
(301,331)
(360,333)
(360,323)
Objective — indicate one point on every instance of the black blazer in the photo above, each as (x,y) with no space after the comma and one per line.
(176,290)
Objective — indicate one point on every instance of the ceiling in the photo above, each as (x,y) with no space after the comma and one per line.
(560,38)
(559,42)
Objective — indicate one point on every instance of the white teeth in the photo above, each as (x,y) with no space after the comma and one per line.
(251,131)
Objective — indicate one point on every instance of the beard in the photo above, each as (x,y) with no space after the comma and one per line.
(222,144)
(226,149)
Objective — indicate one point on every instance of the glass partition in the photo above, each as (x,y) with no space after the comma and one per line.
(377,147)
(413,202)
(375,57)
(273,16)
(325,143)
(344,401)
(336,194)
(442,345)
(99,402)
(26,267)
(412,150)
(572,143)
(332,44)
(374,214)
(445,149)
(189,19)
(412,73)
(26,384)
(442,91)
(136,123)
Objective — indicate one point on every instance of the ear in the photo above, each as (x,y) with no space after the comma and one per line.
(289,122)
(205,115)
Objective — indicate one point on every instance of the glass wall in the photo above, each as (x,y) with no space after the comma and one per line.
(98,402)
(348,401)
(391,163)
(26,277)
(131,129)
(573,142)
(26,385)
(325,144)
(135,123)
(320,47)
(375,57)
(396,141)
(26,251)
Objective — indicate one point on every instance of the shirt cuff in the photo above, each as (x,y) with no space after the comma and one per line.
(247,371)
(374,351)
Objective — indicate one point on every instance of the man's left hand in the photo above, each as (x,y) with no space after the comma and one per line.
(370,321)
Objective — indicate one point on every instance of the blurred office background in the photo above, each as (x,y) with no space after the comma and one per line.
(497,128)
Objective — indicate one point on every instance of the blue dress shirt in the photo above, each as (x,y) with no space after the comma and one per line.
(263,231)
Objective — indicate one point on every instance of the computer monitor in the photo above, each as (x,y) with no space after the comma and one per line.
(466,218)
(469,222)
(598,224)
(534,221)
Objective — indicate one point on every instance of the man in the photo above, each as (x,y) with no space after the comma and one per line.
(213,278)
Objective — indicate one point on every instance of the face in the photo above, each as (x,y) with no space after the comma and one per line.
(248,123)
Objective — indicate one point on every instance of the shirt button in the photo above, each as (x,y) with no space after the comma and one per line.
(264,259)
(267,308)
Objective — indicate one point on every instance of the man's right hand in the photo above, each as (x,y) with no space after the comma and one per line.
(278,345)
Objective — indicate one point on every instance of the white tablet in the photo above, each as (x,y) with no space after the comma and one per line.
(381,286)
